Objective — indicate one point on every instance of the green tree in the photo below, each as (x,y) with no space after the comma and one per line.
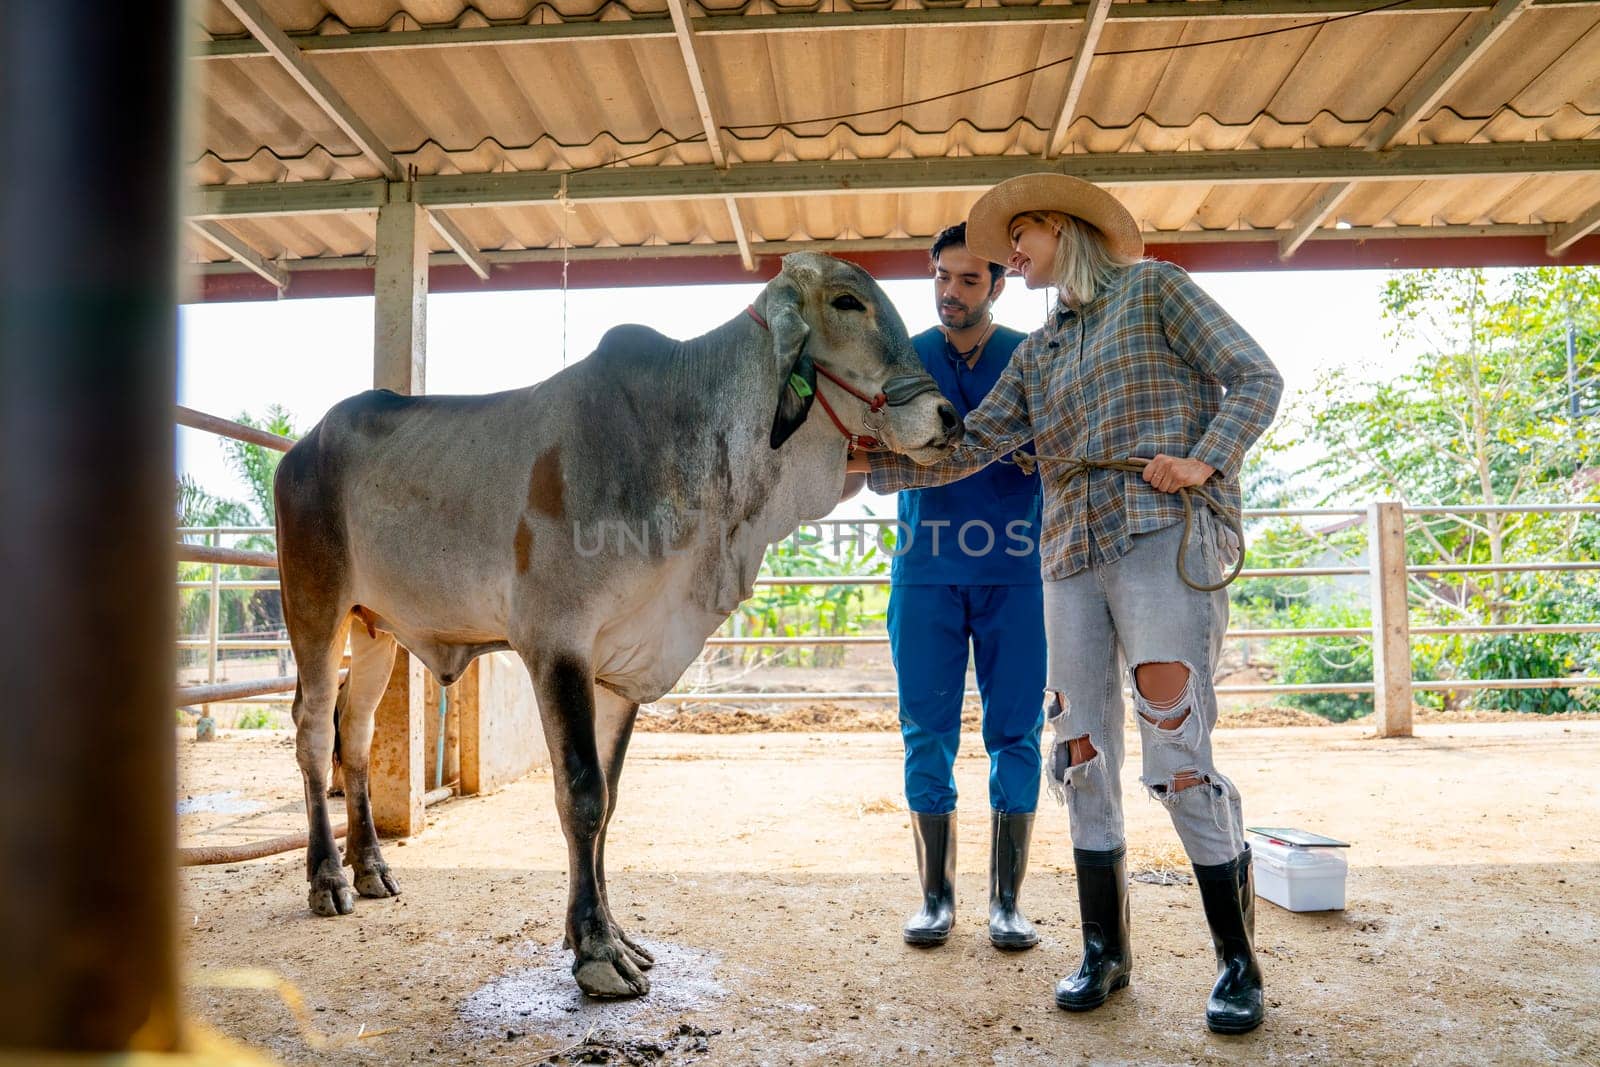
(1481,417)
(256,466)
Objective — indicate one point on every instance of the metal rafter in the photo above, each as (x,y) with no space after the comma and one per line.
(450,230)
(740,235)
(683,29)
(697,81)
(1078,73)
(1417,106)
(814,22)
(236,247)
(908,244)
(972,173)
(287,53)
(1570,233)
(1312,218)
(282,48)
(1425,98)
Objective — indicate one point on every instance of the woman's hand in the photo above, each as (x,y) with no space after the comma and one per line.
(857,463)
(1169,473)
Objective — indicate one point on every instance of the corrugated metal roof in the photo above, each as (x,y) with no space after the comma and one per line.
(489,89)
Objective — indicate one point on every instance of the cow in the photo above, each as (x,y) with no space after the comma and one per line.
(601,524)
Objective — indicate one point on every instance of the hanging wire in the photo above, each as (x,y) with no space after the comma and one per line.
(567,208)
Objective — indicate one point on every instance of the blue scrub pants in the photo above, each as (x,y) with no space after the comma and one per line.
(929,630)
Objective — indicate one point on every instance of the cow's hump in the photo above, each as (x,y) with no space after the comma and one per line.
(631,343)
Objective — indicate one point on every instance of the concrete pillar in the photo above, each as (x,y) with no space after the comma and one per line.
(399,752)
(1391,620)
(400,341)
(502,738)
(399,362)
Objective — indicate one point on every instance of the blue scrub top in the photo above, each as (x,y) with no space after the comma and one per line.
(1000,497)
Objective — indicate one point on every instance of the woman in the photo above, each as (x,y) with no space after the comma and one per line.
(1135,361)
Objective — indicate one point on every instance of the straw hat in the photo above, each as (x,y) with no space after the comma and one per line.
(989,224)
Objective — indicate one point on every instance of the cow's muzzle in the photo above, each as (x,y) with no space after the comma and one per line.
(950,422)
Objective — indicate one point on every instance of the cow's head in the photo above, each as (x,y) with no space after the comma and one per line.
(828,314)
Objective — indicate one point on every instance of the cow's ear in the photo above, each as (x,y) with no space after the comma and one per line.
(797,386)
(794,399)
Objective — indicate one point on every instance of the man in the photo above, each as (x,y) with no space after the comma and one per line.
(969,574)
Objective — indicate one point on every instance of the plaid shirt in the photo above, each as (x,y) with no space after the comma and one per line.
(1152,364)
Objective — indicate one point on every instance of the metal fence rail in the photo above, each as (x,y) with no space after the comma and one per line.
(1392,686)
(214,553)
(802,696)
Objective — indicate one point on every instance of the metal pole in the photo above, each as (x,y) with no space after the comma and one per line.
(1391,620)
(88,288)
(206,728)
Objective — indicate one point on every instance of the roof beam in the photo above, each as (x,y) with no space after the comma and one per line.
(282,48)
(1408,113)
(1047,14)
(588,254)
(451,232)
(684,31)
(697,82)
(741,235)
(241,252)
(1568,234)
(1307,222)
(971,173)
(1425,99)
(1078,74)
(287,53)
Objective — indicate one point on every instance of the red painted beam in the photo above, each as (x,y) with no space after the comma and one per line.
(1383,254)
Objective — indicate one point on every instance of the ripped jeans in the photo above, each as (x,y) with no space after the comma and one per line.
(1133,611)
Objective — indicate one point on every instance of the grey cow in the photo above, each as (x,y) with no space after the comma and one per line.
(602,524)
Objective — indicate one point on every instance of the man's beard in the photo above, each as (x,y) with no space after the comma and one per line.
(961,317)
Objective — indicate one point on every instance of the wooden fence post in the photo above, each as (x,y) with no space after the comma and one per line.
(1391,620)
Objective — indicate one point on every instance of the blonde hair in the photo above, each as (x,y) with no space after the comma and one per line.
(1084,263)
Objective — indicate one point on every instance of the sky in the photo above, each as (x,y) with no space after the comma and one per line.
(306,355)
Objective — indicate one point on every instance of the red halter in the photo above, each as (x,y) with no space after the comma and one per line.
(875,404)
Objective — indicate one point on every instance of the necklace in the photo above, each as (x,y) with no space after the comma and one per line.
(968,354)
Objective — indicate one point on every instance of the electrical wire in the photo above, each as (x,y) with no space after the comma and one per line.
(790,126)
(773,127)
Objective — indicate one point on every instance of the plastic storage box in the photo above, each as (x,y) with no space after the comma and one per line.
(1298,877)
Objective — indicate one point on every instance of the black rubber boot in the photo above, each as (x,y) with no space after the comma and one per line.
(1103,904)
(936,867)
(1009,834)
(1228,891)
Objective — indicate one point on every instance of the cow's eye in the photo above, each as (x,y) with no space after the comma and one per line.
(846,302)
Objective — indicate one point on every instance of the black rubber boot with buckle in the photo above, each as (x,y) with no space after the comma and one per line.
(936,868)
(1228,892)
(1103,905)
(1009,834)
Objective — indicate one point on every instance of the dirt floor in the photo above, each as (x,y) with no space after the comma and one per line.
(770,873)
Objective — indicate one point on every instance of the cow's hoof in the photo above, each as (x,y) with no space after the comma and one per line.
(604,968)
(637,953)
(330,893)
(610,978)
(375,880)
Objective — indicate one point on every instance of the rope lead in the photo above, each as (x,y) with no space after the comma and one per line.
(1075,466)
